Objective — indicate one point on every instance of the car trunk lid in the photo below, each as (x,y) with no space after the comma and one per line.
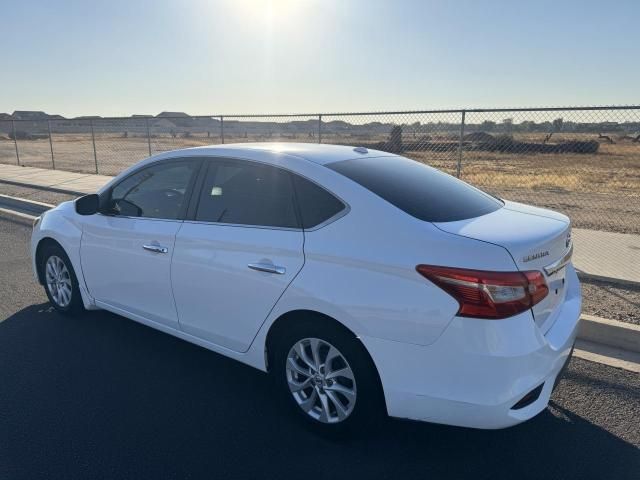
(536,238)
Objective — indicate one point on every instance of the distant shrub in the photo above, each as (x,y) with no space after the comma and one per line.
(24,135)
(20,135)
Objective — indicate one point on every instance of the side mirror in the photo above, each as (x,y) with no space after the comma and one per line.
(88,204)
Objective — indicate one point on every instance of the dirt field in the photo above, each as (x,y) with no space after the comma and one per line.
(599,191)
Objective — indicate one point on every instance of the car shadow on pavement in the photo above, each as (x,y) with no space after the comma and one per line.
(100,396)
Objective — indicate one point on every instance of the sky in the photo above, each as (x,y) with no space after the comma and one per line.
(117,57)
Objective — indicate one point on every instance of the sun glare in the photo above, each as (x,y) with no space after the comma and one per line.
(270,12)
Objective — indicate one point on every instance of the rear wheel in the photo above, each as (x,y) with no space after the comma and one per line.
(60,282)
(327,377)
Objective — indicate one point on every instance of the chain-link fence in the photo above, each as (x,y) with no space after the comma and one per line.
(584,162)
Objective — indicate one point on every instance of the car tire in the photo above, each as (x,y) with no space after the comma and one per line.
(330,403)
(60,281)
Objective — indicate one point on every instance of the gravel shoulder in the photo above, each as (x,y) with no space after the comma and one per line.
(607,300)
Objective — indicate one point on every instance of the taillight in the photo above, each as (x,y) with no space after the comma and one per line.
(491,295)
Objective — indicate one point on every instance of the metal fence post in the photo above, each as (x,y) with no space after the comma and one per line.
(53,162)
(93,140)
(460,144)
(221,129)
(319,128)
(146,121)
(15,140)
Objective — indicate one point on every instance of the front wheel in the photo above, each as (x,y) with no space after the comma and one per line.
(60,282)
(327,377)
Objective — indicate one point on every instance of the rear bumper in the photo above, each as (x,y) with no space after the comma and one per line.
(476,372)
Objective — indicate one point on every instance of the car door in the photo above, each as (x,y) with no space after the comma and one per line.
(126,249)
(236,256)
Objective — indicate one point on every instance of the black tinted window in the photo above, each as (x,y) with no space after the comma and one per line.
(158,191)
(315,203)
(419,190)
(247,193)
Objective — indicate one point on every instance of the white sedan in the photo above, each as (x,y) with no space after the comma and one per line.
(364,282)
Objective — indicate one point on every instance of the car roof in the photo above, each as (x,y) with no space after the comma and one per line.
(320,153)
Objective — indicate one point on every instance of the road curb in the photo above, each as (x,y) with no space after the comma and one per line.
(24,205)
(614,357)
(42,187)
(618,281)
(20,207)
(612,333)
(17,215)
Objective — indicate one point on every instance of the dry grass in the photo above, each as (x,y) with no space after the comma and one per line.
(614,169)
(598,191)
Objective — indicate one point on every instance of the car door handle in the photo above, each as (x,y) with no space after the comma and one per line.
(267,267)
(155,248)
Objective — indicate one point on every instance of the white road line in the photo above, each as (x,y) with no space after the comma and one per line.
(20,215)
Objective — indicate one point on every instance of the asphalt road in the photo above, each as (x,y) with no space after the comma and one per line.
(104,397)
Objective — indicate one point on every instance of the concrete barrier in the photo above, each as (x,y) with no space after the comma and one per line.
(612,333)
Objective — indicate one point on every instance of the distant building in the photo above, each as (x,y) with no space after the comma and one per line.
(32,115)
(179,119)
(29,124)
(29,115)
(172,114)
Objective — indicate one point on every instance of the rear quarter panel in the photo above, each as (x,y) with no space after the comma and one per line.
(360,269)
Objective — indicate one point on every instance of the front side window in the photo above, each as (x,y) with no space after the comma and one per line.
(247,193)
(158,191)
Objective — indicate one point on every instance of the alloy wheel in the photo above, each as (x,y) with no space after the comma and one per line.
(58,281)
(321,380)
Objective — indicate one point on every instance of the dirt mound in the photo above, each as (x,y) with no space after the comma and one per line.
(479,137)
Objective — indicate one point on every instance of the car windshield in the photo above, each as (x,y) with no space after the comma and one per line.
(421,191)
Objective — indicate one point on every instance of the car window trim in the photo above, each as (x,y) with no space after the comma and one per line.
(198,161)
(242,225)
(194,200)
(337,216)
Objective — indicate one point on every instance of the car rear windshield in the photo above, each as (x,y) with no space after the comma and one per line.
(419,190)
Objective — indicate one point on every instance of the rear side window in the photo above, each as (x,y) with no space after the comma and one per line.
(246,193)
(315,203)
(419,190)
